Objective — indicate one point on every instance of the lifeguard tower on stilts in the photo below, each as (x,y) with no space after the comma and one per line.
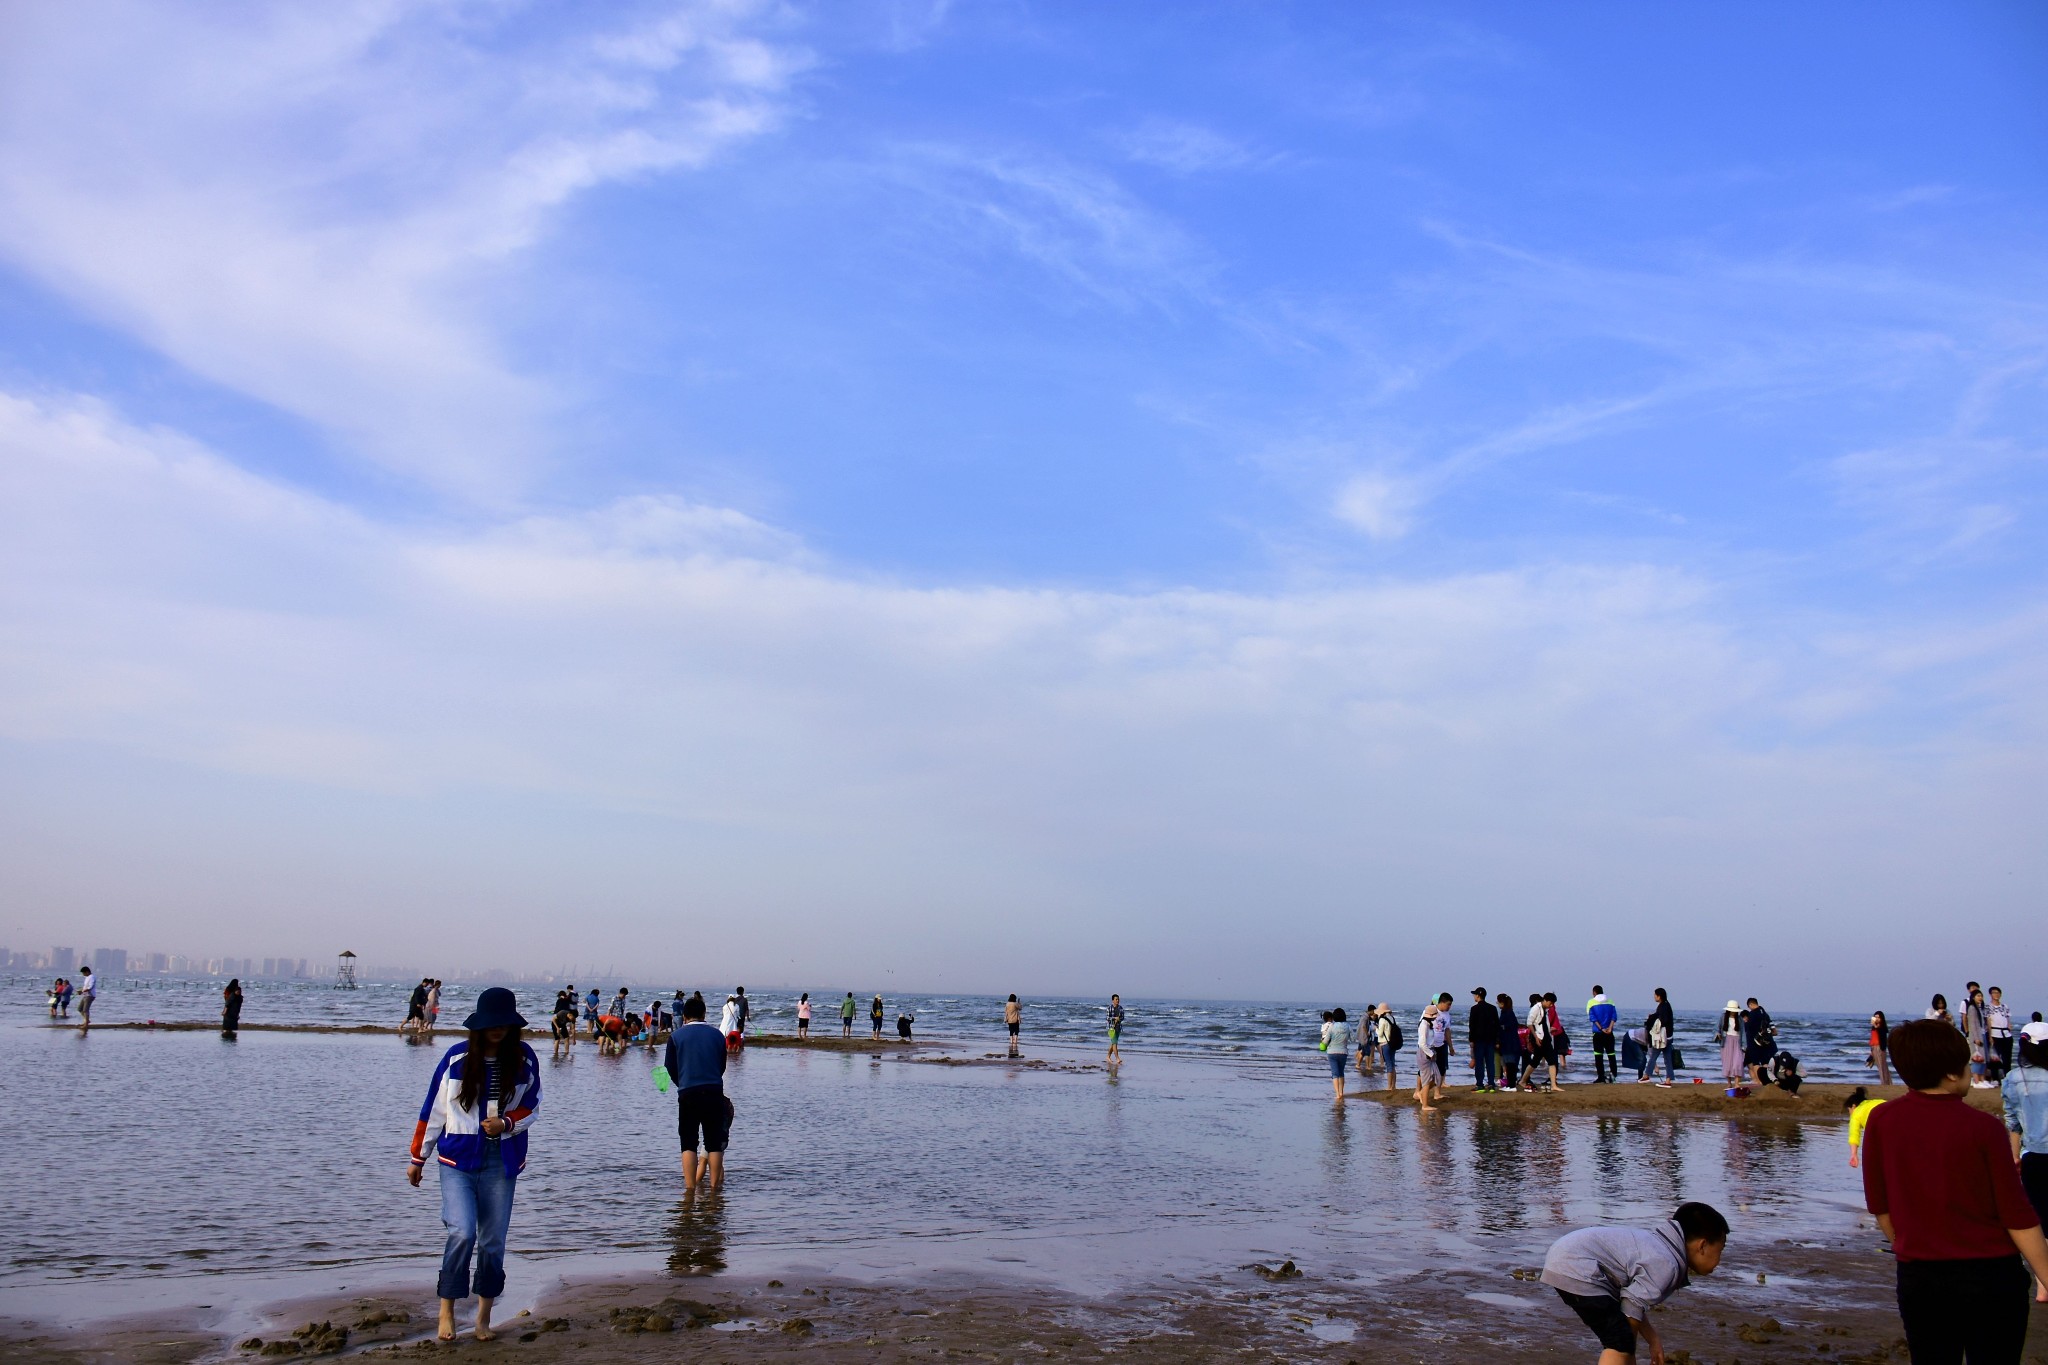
(345,974)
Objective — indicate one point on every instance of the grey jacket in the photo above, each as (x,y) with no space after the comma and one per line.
(1640,1266)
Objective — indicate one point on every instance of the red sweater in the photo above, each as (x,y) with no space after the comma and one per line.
(1945,1174)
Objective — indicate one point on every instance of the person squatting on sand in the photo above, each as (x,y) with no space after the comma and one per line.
(695,1060)
(1613,1276)
(1941,1180)
(474,1125)
(1859,1104)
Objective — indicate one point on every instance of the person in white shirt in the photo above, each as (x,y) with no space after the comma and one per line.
(1541,1050)
(1337,1043)
(1429,1082)
(88,991)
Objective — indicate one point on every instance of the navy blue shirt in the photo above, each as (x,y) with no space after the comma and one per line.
(696,1056)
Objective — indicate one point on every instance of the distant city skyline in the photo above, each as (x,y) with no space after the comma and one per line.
(1291,501)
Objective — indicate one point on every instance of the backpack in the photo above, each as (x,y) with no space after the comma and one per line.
(1395,1038)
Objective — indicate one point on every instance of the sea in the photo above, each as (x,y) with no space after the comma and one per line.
(189,1167)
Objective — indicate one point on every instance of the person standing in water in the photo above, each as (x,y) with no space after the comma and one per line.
(875,1013)
(1386,1033)
(847,1009)
(1337,1044)
(1116,1027)
(1013,1020)
(88,991)
(433,1005)
(480,1104)
(231,1005)
(739,994)
(803,1018)
(696,1064)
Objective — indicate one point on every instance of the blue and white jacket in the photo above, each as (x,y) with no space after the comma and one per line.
(454,1136)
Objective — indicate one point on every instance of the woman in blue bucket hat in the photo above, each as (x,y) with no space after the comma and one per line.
(483,1099)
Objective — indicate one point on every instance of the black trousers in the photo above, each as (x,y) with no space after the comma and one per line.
(1957,1311)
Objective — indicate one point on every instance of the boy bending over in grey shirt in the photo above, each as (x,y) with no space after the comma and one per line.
(1613,1277)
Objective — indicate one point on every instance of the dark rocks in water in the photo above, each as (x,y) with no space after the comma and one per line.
(797,1327)
(1286,1270)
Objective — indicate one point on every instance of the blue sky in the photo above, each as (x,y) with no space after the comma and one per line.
(926,482)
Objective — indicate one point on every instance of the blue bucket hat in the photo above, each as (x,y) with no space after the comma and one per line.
(495,1008)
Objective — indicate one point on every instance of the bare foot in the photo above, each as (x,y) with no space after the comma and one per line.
(483,1321)
(447,1332)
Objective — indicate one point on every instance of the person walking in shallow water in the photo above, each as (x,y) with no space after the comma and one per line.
(847,1010)
(88,991)
(231,1005)
(1116,1027)
(1013,1020)
(479,1106)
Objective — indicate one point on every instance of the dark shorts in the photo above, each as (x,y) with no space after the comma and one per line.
(1541,1054)
(704,1107)
(1605,1317)
(1014,1028)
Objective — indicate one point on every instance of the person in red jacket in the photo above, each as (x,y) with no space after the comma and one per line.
(1940,1177)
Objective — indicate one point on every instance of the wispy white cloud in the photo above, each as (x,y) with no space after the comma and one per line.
(1187,148)
(1078,224)
(306,204)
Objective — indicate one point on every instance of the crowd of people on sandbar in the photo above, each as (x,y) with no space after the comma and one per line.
(1506,1048)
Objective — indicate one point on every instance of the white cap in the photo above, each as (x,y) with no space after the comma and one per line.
(2036,1034)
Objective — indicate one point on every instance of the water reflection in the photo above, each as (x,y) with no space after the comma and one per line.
(1498,1173)
(696,1234)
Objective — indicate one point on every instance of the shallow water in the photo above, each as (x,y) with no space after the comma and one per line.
(1829,1046)
(187,1155)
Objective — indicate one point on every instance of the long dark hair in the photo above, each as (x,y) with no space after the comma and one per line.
(1856,1097)
(509,1060)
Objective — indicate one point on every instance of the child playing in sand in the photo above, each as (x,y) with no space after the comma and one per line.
(1941,1179)
(1613,1276)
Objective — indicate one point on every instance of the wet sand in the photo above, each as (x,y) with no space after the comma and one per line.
(1777,1302)
(1814,1101)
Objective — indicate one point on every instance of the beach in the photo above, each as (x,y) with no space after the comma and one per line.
(1775,1302)
(939,1198)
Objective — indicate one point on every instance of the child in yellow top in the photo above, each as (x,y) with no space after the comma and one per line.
(1859,1104)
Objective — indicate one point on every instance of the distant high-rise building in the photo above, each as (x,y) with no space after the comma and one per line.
(270,966)
(110,961)
(159,962)
(63,961)
(180,964)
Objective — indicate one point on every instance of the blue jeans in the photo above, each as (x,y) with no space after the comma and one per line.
(1650,1056)
(476,1208)
(1482,1063)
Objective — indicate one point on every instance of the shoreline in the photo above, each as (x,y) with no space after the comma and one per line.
(535,1041)
(1772,1300)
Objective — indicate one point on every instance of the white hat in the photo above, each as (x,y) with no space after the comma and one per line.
(1733,1006)
(2036,1033)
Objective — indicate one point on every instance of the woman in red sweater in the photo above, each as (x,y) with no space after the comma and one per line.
(1940,1177)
